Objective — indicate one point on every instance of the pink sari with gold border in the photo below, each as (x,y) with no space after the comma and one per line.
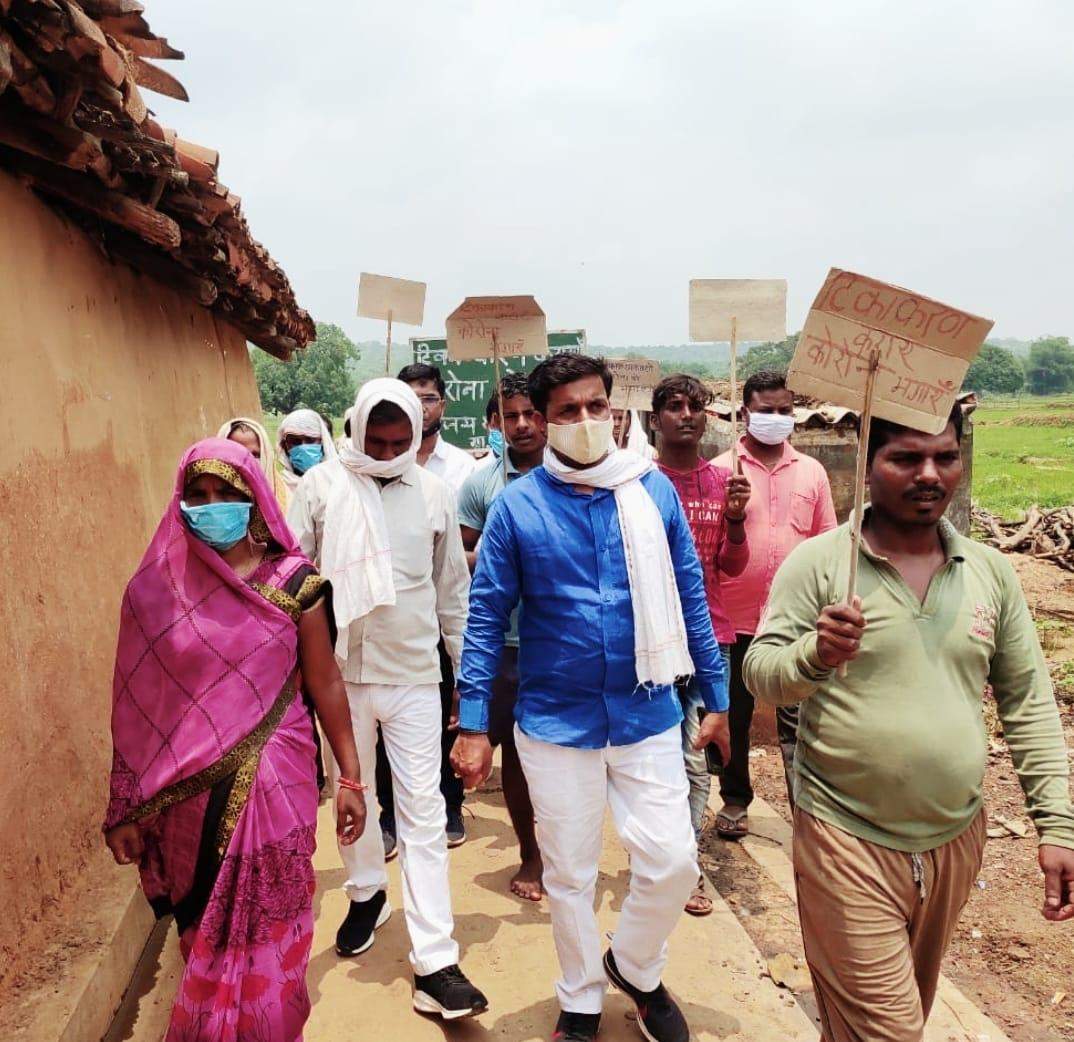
(214,758)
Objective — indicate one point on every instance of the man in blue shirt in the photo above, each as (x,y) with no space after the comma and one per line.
(523,432)
(595,546)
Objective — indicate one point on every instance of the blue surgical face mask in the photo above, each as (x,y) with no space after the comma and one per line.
(305,457)
(496,442)
(219,525)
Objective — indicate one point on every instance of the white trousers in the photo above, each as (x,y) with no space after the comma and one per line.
(410,720)
(645,786)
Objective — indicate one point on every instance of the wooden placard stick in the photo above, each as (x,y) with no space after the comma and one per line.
(859,480)
(388,350)
(499,401)
(732,370)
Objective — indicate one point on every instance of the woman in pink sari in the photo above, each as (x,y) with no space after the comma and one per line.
(224,627)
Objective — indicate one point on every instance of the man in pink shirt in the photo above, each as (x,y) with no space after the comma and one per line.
(790,501)
(715,504)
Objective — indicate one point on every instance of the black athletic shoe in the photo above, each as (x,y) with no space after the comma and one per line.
(576,1027)
(391,844)
(659,1018)
(355,935)
(456,830)
(449,994)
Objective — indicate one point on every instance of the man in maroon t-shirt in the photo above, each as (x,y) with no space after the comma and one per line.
(715,503)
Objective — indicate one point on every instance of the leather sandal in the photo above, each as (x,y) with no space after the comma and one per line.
(700,903)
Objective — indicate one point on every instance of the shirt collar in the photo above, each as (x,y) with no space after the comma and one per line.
(950,539)
(441,450)
(790,454)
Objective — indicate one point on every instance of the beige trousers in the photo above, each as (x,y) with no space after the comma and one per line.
(876,924)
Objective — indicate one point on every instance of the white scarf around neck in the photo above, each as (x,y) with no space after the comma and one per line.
(356,552)
(660,647)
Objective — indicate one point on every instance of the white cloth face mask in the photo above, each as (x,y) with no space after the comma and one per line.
(585,442)
(770,428)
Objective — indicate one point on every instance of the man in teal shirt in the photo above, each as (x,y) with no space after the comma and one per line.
(523,433)
(889,828)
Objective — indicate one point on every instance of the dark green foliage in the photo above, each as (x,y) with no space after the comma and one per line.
(771,355)
(316,378)
(996,371)
(1050,366)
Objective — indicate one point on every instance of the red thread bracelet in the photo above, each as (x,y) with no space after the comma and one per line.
(346,783)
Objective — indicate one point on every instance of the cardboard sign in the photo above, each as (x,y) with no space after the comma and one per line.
(470,384)
(392,300)
(924,347)
(633,380)
(758,306)
(517,323)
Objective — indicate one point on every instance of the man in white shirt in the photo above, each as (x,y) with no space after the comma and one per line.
(443,459)
(384,532)
(454,466)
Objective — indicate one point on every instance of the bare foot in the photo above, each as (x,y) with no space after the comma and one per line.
(526,882)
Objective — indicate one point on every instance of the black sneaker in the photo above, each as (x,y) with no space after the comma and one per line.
(659,1018)
(391,844)
(576,1027)
(456,830)
(448,993)
(355,935)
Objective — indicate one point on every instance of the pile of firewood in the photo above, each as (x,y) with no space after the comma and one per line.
(1045,534)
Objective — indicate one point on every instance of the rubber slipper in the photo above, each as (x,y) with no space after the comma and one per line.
(732,823)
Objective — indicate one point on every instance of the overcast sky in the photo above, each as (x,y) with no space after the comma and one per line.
(600,154)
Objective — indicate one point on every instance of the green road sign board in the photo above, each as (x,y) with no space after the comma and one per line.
(471,384)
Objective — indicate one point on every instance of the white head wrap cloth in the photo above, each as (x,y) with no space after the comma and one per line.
(636,440)
(356,552)
(267,459)
(309,424)
(660,648)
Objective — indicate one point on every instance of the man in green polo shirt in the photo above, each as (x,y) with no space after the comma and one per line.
(524,437)
(889,829)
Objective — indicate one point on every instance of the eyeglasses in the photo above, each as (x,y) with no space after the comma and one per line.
(429,400)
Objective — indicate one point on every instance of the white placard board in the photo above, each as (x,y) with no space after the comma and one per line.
(758,306)
(391,300)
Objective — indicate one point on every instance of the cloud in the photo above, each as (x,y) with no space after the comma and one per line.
(599,155)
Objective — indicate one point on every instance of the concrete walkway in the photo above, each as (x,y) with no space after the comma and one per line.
(715,971)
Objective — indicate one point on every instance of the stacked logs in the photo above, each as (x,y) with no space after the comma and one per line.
(74,126)
(1044,534)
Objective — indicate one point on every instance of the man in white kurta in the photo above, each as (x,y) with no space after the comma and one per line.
(384,533)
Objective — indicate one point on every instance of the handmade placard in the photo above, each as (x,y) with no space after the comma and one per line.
(633,380)
(923,350)
(483,327)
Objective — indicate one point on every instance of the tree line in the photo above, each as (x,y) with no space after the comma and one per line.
(325,375)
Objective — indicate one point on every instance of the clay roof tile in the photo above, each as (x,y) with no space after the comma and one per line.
(74,125)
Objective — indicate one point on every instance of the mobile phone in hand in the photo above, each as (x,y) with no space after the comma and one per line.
(713,759)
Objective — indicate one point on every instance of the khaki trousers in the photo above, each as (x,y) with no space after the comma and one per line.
(876,924)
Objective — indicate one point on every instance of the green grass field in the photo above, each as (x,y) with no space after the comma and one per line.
(1023,453)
